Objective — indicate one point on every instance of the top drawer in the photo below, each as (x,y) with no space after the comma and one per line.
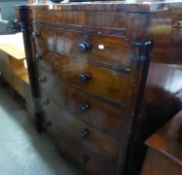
(94,47)
(113,52)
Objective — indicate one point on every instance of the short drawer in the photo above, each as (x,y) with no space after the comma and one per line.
(94,79)
(68,125)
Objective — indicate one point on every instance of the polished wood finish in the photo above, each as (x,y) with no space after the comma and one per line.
(97,112)
(80,155)
(164,155)
(73,62)
(94,64)
(89,77)
(72,99)
(75,128)
(72,43)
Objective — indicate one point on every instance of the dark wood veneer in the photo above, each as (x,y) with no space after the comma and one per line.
(69,125)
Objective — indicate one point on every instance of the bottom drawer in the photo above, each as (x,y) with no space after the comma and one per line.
(81,156)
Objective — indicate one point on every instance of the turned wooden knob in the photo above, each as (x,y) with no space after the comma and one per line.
(43,79)
(38,57)
(35,35)
(84,107)
(46,102)
(85,77)
(84,46)
(84,133)
(48,124)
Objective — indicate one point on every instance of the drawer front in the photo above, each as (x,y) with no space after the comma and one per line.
(86,159)
(73,128)
(115,53)
(112,52)
(95,80)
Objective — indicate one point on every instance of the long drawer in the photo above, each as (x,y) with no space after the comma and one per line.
(85,134)
(94,79)
(113,52)
(110,51)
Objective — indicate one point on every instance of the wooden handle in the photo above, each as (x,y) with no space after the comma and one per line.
(85,77)
(84,107)
(35,35)
(84,46)
(84,133)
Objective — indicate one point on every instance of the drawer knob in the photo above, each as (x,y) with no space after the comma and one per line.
(84,133)
(46,102)
(85,158)
(48,124)
(85,77)
(38,57)
(84,107)
(84,46)
(43,79)
(35,35)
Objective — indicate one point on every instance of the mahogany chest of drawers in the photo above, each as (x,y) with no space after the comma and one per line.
(89,64)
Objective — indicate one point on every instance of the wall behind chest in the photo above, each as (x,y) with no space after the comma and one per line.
(7,8)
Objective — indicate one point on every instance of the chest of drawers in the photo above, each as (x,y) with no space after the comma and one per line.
(89,65)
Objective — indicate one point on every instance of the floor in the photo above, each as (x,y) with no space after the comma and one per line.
(22,150)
